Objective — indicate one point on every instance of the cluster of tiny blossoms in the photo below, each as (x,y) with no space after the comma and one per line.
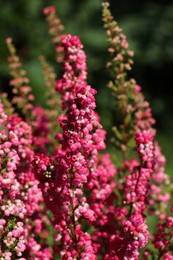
(74,164)
(20,211)
(50,161)
(142,179)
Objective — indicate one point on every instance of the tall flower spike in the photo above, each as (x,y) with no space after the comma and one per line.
(143,193)
(118,46)
(81,139)
(135,113)
(74,89)
(132,233)
(22,92)
(55,29)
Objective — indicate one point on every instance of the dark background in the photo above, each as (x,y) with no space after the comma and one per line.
(149,29)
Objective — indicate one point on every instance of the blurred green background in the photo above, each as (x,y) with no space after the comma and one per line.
(149,29)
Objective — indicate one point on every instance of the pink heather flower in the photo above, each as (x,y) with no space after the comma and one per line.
(133,237)
(159,197)
(137,183)
(163,237)
(145,147)
(143,113)
(169,221)
(74,163)
(21,200)
(167,256)
(50,9)
(137,187)
(138,228)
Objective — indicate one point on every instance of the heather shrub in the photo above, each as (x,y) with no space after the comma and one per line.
(63,195)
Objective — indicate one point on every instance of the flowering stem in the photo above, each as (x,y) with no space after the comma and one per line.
(165,249)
